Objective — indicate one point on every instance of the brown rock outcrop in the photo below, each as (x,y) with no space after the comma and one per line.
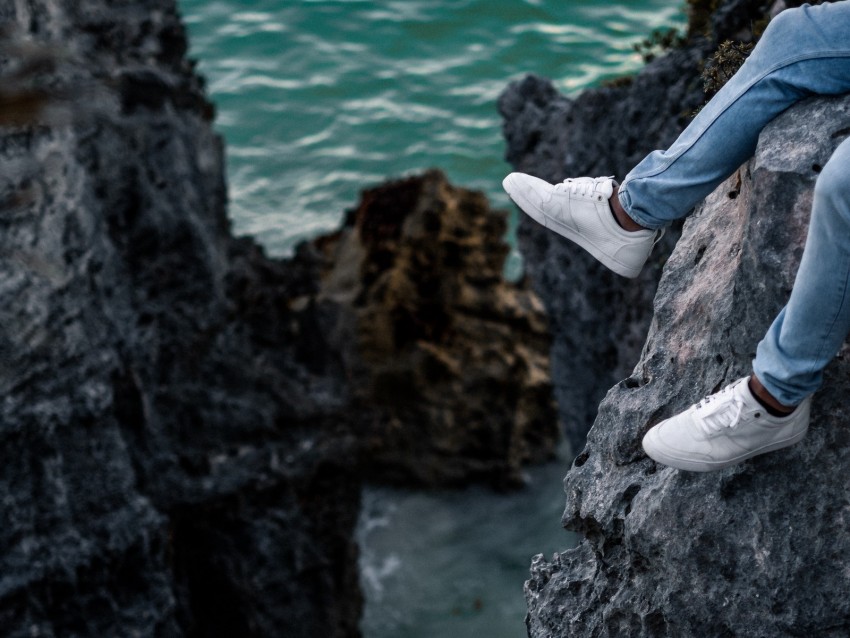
(451,357)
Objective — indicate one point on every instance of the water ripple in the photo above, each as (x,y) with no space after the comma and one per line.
(319,99)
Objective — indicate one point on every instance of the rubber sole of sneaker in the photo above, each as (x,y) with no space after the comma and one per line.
(555,226)
(691,465)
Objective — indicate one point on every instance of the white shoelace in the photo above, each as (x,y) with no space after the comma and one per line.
(586,187)
(581,186)
(721,410)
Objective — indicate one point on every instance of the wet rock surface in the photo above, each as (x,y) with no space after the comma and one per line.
(753,550)
(451,360)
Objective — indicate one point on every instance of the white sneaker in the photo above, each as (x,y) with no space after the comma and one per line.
(578,209)
(724,429)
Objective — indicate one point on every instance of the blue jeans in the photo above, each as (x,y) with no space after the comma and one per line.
(803,52)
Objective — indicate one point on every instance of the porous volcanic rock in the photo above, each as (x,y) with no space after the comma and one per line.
(451,360)
(166,466)
(759,549)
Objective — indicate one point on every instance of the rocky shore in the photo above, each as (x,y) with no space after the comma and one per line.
(186,423)
(165,471)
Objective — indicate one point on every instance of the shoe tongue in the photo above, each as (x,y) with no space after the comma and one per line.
(743,390)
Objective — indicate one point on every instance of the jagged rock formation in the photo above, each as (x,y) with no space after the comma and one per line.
(598,319)
(185,422)
(755,550)
(164,471)
(451,360)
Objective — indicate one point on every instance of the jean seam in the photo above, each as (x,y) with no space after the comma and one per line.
(834,319)
(750,85)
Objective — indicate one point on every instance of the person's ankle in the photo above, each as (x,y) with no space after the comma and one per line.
(620,215)
(767,400)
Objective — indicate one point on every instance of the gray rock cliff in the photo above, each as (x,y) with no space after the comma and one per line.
(162,404)
(755,550)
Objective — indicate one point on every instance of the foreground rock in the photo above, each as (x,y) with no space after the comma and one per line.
(164,468)
(450,360)
(599,319)
(755,550)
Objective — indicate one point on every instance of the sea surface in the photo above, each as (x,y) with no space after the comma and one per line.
(318,99)
(453,564)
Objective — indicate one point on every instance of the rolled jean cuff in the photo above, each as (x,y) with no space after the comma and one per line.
(790,398)
(626,203)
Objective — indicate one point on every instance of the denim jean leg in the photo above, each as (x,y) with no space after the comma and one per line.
(804,51)
(811,328)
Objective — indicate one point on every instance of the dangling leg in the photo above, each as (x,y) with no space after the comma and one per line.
(803,52)
(741,421)
(811,328)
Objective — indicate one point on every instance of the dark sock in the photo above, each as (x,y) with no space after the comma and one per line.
(769,409)
(614,215)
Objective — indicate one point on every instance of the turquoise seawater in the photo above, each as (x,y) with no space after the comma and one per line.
(318,99)
(452,564)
